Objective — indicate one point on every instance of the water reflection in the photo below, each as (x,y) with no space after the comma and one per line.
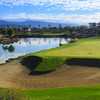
(10,48)
(28,45)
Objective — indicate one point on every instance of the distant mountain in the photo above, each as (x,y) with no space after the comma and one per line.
(33,23)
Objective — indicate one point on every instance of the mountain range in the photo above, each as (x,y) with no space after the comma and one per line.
(33,23)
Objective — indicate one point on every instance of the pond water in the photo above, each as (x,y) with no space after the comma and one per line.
(28,45)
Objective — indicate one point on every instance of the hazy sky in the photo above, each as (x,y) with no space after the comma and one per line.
(82,11)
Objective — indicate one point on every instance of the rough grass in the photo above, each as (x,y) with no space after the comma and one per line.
(8,94)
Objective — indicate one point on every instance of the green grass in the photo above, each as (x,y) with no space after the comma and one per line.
(50,64)
(83,48)
(88,48)
(74,93)
(81,93)
(53,58)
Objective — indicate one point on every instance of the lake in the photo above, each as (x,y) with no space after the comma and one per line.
(28,45)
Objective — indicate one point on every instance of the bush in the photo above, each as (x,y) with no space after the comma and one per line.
(31,62)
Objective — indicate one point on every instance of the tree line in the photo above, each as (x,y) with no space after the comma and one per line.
(92,29)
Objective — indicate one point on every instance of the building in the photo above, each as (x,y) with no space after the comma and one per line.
(98,24)
(92,25)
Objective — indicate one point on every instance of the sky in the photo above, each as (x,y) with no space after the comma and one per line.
(75,11)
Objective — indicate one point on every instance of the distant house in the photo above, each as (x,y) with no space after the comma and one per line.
(1,35)
(75,34)
(98,25)
(29,30)
(84,33)
(92,25)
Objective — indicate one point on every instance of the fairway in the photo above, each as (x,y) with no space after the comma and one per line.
(89,47)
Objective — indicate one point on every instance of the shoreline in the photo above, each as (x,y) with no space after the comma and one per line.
(43,36)
(8,40)
(15,38)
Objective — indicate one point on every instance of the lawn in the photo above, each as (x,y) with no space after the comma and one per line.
(79,93)
(52,59)
(83,48)
(89,47)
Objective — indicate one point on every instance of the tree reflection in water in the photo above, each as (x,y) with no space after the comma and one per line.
(9,48)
